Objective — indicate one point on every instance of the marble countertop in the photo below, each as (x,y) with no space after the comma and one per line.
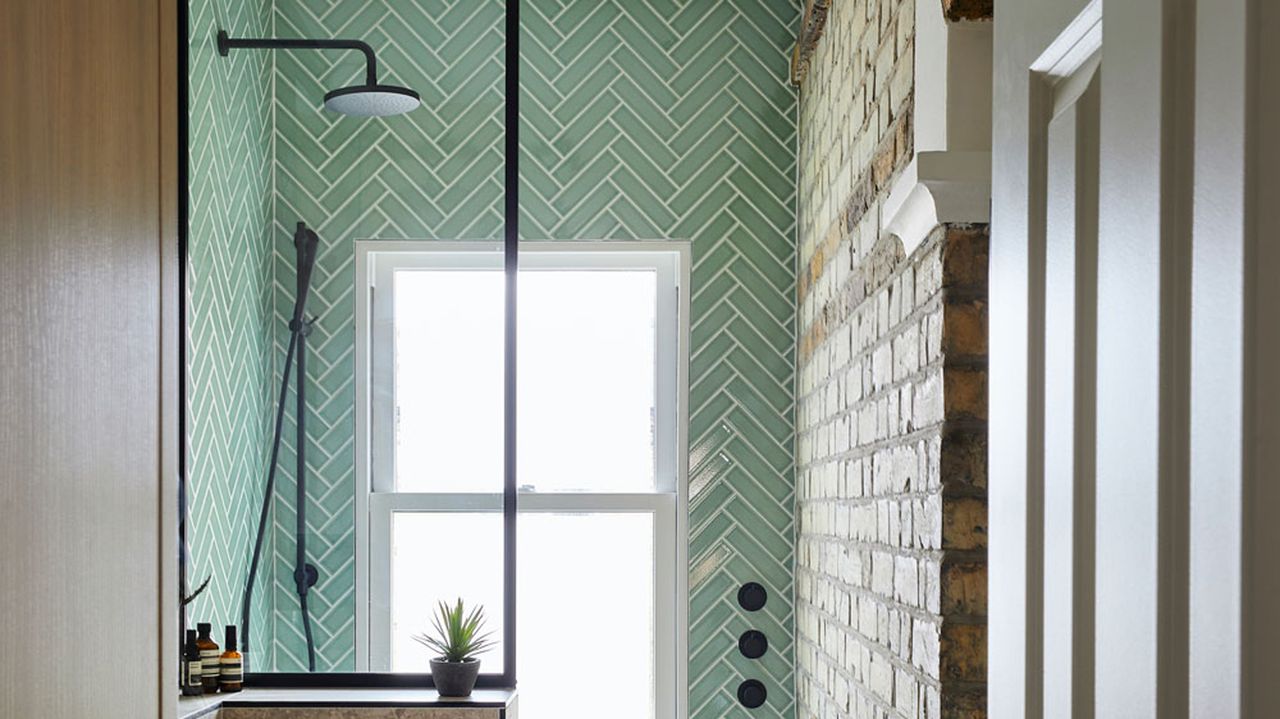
(192,707)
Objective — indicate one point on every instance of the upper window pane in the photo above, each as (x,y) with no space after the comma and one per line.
(586,368)
(448,380)
(586,380)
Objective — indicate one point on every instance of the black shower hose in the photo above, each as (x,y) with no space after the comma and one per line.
(296,330)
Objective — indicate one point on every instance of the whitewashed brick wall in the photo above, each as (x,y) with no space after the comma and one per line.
(890,553)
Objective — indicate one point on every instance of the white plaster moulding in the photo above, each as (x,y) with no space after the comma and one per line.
(949,178)
(943,186)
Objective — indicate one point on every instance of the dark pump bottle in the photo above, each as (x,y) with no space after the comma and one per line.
(192,679)
(230,664)
(209,653)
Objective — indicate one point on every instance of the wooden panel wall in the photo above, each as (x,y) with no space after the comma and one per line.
(87,230)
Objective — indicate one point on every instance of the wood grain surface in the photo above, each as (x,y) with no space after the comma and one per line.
(87,205)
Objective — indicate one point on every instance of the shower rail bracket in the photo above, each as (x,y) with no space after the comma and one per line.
(306,577)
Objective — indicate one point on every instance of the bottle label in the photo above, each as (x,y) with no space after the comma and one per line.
(193,673)
(209,662)
(232,671)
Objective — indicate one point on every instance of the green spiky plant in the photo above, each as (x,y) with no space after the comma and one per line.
(458,636)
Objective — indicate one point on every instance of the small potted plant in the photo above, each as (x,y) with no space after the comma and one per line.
(457,640)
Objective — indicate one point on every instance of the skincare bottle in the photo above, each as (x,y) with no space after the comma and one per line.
(230,664)
(192,681)
(209,653)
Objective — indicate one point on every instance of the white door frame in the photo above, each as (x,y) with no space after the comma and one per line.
(1187,427)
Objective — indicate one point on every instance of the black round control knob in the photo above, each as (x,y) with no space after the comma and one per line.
(751,693)
(753,644)
(752,597)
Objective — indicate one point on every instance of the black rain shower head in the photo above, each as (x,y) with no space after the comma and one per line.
(371,100)
(367,100)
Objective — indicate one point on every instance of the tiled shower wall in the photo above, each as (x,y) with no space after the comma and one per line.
(641,120)
(228,296)
(433,173)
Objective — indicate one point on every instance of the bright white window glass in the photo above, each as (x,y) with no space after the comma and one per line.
(443,556)
(586,610)
(448,380)
(598,373)
(587,372)
(586,391)
(597,594)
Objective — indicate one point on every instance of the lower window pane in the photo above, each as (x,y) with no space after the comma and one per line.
(585,603)
(585,611)
(443,556)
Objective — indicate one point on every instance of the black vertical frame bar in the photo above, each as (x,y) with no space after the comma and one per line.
(510,267)
(184,212)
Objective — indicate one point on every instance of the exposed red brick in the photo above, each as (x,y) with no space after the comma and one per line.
(963,652)
(966,256)
(964,589)
(964,523)
(964,459)
(964,393)
(964,328)
(883,163)
(963,703)
(811,27)
(904,138)
(969,9)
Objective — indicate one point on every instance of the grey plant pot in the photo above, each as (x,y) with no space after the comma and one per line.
(455,679)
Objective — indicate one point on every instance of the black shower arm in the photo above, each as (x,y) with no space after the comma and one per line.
(225,45)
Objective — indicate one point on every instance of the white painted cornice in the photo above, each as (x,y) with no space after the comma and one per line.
(949,177)
(938,187)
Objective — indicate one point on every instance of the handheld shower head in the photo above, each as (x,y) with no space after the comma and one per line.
(305,241)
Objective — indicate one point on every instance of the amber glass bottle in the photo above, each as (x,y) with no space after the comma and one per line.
(192,680)
(209,653)
(230,664)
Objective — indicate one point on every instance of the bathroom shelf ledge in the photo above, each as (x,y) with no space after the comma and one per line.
(500,699)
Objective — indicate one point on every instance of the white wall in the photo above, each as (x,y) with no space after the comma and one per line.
(1175,573)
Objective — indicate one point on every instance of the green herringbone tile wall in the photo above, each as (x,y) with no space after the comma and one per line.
(673,119)
(433,173)
(667,119)
(228,294)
